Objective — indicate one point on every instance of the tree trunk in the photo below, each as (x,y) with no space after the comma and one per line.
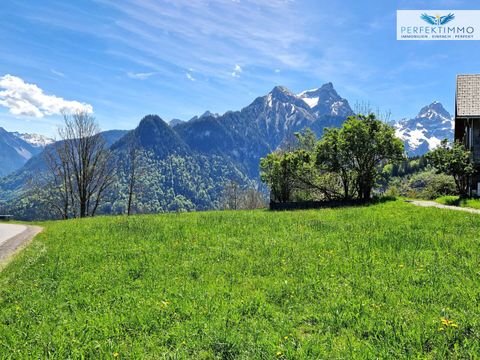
(83,209)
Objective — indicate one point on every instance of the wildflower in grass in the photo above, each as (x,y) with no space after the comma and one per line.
(447,323)
(279,353)
(116,354)
(401,266)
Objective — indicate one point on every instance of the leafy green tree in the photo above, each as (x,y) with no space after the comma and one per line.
(286,173)
(276,170)
(356,152)
(306,140)
(369,143)
(453,160)
(332,156)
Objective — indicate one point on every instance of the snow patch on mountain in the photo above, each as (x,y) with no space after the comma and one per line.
(311,102)
(326,101)
(35,140)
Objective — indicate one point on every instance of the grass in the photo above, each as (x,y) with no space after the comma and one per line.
(384,281)
(456,201)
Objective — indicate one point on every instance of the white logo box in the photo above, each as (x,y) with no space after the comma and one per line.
(438,24)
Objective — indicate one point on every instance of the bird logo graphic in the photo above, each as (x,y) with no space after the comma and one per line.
(437,19)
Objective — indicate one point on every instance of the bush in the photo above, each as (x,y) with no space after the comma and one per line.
(423,185)
(393,191)
(457,201)
(471,203)
(448,200)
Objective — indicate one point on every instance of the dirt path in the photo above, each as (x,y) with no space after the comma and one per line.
(440,206)
(14,237)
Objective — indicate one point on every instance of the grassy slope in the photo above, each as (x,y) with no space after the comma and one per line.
(353,283)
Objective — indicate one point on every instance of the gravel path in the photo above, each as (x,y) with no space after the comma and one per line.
(13,237)
(425,203)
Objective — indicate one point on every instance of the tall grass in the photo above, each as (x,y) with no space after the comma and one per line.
(383,281)
(456,201)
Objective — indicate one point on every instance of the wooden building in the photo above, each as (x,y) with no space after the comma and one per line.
(467,122)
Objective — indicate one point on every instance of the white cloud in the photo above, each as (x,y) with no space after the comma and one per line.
(190,77)
(182,34)
(237,70)
(22,98)
(58,73)
(140,76)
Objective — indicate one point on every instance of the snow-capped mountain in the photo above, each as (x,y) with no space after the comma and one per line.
(36,140)
(268,123)
(425,132)
(15,151)
(325,100)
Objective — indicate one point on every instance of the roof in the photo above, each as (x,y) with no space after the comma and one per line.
(468,96)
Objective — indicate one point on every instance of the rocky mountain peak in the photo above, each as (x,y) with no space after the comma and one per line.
(434,110)
(326,101)
(282,94)
(425,132)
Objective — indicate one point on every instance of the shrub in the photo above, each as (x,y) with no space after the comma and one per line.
(448,200)
(424,185)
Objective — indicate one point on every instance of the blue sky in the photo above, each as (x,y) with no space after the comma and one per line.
(178,58)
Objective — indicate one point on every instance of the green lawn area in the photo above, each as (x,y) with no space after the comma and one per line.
(384,281)
(456,201)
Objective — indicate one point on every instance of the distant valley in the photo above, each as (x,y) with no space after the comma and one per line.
(16,149)
(189,162)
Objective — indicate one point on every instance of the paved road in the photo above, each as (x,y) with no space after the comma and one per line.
(8,231)
(440,206)
(12,237)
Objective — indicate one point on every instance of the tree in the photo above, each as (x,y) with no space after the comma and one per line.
(231,196)
(56,188)
(278,170)
(80,165)
(306,140)
(356,151)
(351,156)
(252,199)
(332,156)
(368,143)
(133,160)
(453,160)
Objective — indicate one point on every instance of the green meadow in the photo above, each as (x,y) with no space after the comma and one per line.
(384,281)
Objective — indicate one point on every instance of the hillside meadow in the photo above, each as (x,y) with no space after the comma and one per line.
(383,281)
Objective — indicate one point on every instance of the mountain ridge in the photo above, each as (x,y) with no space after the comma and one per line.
(190,161)
(424,132)
(16,149)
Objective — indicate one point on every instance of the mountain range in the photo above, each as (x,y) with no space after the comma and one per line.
(16,149)
(210,149)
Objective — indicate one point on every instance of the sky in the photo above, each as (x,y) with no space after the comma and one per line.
(124,59)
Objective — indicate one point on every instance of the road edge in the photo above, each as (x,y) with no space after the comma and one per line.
(433,204)
(14,245)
